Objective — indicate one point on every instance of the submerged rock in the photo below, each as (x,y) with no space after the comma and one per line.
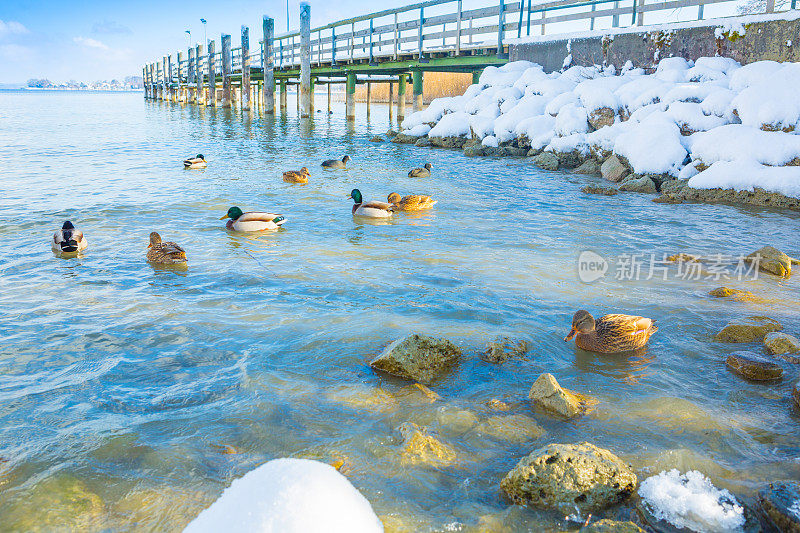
(613,169)
(456,420)
(512,428)
(683,258)
(751,329)
(497,405)
(546,160)
(377,139)
(780,502)
(421,448)
(605,191)
(59,503)
(772,261)
(569,476)
(419,392)
(783,345)
(735,294)
(551,397)
(611,526)
(418,357)
(503,349)
(753,366)
(643,184)
(590,166)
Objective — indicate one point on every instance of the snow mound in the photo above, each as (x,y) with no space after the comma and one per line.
(737,141)
(289,496)
(690,501)
(772,103)
(451,125)
(652,147)
(743,175)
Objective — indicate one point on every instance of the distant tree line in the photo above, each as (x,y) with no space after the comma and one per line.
(40,83)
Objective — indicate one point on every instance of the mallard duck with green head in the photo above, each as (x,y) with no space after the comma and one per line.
(252,221)
(195,162)
(369,209)
(68,240)
(610,333)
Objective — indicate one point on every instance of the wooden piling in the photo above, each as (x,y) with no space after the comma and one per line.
(417,79)
(401,97)
(145,82)
(305,60)
(164,77)
(284,96)
(179,95)
(350,96)
(268,64)
(198,75)
(369,97)
(226,70)
(329,96)
(245,68)
(211,98)
(391,102)
(476,76)
(191,70)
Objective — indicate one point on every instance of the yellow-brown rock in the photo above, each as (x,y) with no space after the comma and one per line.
(418,357)
(735,294)
(611,526)
(753,366)
(512,428)
(547,395)
(783,345)
(772,261)
(421,448)
(750,329)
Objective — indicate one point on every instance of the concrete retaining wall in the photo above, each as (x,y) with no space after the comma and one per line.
(767,37)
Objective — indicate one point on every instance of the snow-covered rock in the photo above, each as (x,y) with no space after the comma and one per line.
(736,142)
(744,175)
(652,147)
(289,496)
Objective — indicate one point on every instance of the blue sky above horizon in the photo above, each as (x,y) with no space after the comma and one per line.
(100,40)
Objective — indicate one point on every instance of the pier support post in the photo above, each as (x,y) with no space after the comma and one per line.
(305,60)
(311,97)
(211,98)
(268,64)
(164,78)
(417,77)
(476,76)
(284,96)
(144,82)
(179,90)
(226,70)
(391,103)
(350,96)
(329,96)
(245,68)
(198,74)
(401,98)
(190,73)
(369,97)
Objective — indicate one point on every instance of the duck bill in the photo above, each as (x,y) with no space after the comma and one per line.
(349,196)
(150,245)
(224,216)
(571,334)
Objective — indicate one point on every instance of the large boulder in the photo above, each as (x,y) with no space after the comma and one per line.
(783,345)
(753,366)
(512,428)
(547,395)
(603,116)
(418,357)
(643,184)
(780,502)
(750,329)
(613,169)
(772,261)
(569,476)
(546,160)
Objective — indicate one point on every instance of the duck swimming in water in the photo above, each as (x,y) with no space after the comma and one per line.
(423,172)
(335,163)
(369,209)
(412,202)
(68,240)
(610,333)
(252,221)
(296,176)
(195,162)
(164,252)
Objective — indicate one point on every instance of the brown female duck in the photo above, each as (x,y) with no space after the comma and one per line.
(164,253)
(296,176)
(412,202)
(610,333)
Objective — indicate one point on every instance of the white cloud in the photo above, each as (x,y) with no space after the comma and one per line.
(91,43)
(12,28)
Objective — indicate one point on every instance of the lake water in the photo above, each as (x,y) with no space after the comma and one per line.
(124,388)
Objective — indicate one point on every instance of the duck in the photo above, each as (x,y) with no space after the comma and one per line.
(164,252)
(423,172)
(335,163)
(296,176)
(369,209)
(69,240)
(412,202)
(195,162)
(252,221)
(610,333)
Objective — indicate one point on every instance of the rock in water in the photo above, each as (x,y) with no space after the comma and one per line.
(512,428)
(589,166)
(418,357)
(611,526)
(605,191)
(735,294)
(551,397)
(503,349)
(753,366)
(421,448)
(546,160)
(772,260)
(376,139)
(643,184)
(690,502)
(751,329)
(781,503)
(566,476)
(289,495)
(783,345)
(612,169)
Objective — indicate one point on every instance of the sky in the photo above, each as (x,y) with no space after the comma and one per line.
(102,40)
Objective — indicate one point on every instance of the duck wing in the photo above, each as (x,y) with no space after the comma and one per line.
(254,216)
(171,248)
(378,205)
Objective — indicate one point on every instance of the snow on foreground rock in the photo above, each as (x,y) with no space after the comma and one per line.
(690,501)
(685,120)
(289,496)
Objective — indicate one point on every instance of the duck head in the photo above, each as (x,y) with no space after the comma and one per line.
(394,198)
(305,171)
(345,159)
(582,322)
(200,156)
(155,239)
(355,194)
(428,166)
(233,213)
(67,225)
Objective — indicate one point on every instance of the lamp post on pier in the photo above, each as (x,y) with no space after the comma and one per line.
(205,37)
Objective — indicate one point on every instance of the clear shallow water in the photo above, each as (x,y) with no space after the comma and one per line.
(122,386)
